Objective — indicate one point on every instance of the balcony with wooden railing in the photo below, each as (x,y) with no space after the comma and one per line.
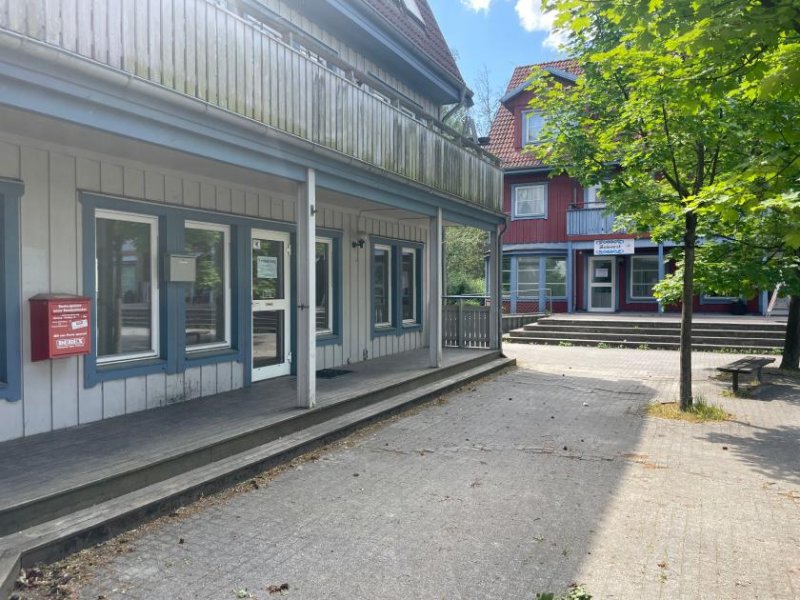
(199,49)
(590,219)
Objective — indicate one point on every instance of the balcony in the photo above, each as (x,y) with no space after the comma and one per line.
(199,49)
(589,220)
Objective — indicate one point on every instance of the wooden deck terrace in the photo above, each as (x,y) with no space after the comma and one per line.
(45,476)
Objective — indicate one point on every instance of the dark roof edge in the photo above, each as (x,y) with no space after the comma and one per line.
(524,85)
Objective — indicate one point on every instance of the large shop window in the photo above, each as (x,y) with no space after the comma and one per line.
(382,285)
(528,276)
(208,299)
(529,201)
(10,358)
(506,275)
(644,275)
(324,285)
(556,276)
(127,288)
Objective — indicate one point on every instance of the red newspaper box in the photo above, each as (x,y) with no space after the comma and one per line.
(60,326)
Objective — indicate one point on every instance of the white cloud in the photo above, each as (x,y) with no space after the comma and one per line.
(533,18)
(477,5)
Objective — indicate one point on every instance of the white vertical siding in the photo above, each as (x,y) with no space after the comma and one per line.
(54,395)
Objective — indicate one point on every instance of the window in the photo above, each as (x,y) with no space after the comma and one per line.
(506,275)
(529,201)
(556,276)
(10,343)
(591,196)
(208,298)
(126,251)
(382,285)
(324,286)
(413,8)
(644,275)
(532,123)
(528,276)
(408,285)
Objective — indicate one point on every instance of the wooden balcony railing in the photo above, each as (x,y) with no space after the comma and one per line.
(197,48)
(590,220)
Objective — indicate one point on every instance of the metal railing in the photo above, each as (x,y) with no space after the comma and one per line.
(202,50)
(466,321)
(540,303)
(591,219)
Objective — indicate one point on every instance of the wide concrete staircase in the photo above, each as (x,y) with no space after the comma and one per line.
(653,333)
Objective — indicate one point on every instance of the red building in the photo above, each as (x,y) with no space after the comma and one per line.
(560,251)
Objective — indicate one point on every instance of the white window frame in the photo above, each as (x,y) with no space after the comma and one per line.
(413,253)
(329,243)
(526,130)
(225,229)
(155,312)
(630,277)
(516,214)
(389,290)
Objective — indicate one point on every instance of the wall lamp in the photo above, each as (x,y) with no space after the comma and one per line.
(359,243)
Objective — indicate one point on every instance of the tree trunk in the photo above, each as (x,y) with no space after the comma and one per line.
(791,345)
(689,238)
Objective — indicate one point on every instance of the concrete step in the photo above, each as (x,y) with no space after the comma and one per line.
(661,345)
(646,337)
(132,475)
(55,538)
(614,330)
(662,324)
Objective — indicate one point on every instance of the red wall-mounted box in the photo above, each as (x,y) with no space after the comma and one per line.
(60,326)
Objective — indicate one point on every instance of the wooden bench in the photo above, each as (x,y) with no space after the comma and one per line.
(745,365)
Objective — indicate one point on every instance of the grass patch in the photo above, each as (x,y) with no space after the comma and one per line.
(700,411)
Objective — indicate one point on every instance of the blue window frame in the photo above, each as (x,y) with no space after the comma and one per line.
(168,320)
(396,286)
(10,339)
(329,298)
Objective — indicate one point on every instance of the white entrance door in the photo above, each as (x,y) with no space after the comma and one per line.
(271,314)
(602,283)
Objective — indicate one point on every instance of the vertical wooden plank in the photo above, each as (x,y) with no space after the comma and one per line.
(237,375)
(192,383)
(154,186)
(69,25)
(244,69)
(173,189)
(208,380)
(156,390)
(114,16)
(111,179)
(128,37)
(176,389)
(251,204)
(63,279)
(202,40)
(191,192)
(231,52)
(223,199)
(52,27)
(224,377)
(167,38)
(132,182)
(258,76)
(113,398)
(100,31)
(35,242)
(142,37)
(84,28)
(238,202)
(179,45)
(191,54)
(154,40)
(11,421)
(9,160)
(135,394)
(208,196)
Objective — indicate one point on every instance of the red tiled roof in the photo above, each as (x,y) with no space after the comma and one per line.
(427,38)
(504,144)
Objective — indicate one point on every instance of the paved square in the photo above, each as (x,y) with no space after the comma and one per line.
(547,475)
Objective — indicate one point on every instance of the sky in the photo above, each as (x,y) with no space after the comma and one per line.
(500,34)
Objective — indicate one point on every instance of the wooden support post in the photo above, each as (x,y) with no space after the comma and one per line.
(306,293)
(495,288)
(435,291)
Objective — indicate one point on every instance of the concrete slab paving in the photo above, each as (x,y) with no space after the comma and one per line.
(547,475)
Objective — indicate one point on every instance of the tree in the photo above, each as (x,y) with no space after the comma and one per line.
(666,119)
(465,248)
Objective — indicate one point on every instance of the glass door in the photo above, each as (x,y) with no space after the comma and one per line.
(271,314)
(602,278)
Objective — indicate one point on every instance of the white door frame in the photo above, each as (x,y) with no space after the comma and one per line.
(278,304)
(613,260)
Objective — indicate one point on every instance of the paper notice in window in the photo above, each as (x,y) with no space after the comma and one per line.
(267,267)
(599,272)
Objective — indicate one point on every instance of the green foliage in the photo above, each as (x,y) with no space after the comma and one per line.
(465,248)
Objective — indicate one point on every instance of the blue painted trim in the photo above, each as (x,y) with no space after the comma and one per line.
(245,300)
(514,187)
(335,337)
(514,284)
(37,85)
(570,278)
(10,310)
(172,310)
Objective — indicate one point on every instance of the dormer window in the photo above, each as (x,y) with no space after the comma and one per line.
(532,124)
(592,197)
(413,8)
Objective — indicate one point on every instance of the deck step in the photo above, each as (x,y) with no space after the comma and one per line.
(55,538)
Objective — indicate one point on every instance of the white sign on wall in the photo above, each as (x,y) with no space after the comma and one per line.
(607,247)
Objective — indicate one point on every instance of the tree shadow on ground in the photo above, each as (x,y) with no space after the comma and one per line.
(778,385)
(773,452)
